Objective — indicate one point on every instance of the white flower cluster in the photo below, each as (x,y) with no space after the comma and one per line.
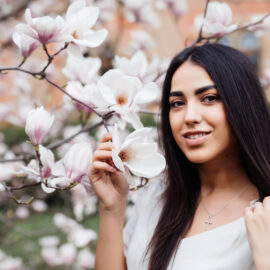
(72,253)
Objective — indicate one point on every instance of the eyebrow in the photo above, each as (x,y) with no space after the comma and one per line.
(197,91)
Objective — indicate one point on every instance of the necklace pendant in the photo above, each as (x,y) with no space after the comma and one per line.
(208,222)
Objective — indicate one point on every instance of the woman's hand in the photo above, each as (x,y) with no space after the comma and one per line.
(108,182)
(258,228)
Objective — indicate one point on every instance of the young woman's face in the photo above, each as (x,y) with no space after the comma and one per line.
(197,115)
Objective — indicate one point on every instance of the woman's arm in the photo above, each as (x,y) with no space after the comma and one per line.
(111,188)
(258,229)
(110,248)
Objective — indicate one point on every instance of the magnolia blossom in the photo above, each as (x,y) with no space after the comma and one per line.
(141,11)
(22,212)
(38,124)
(47,161)
(140,40)
(83,202)
(39,206)
(85,259)
(25,43)
(68,253)
(137,154)
(49,241)
(51,256)
(80,18)
(218,19)
(83,69)
(177,7)
(138,66)
(73,167)
(44,29)
(123,94)
(262,27)
(82,93)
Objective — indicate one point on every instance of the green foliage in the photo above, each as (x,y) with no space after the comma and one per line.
(14,135)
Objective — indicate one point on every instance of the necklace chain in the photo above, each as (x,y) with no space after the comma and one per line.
(210,216)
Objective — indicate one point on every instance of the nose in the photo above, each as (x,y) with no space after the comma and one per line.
(193,114)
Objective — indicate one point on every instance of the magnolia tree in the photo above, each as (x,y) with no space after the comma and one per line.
(109,93)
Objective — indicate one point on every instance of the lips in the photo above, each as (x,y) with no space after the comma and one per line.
(196,138)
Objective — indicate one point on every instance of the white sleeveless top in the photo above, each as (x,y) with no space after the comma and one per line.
(222,248)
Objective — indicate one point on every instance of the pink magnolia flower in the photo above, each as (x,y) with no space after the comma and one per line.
(73,167)
(38,124)
(39,206)
(45,29)
(218,19)
(25,43)
(80,18)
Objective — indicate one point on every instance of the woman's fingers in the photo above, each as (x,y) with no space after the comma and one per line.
(105,138)
(102,166)
(102,155)
(106,146)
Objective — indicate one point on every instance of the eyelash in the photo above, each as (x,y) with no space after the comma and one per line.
(213,98)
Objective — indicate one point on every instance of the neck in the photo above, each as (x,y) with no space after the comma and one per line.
(226,174)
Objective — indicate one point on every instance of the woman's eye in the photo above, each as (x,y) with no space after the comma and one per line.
(176,103)
(210,98)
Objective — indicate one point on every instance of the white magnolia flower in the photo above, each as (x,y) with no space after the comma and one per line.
(262,27)
(80,18)
(84,69)
(45,29)
(25,43)
(141,11)
(10,263)
(49,241)
(218,19)
(83,202)
(82,237)
(138,66)
(38,124)
(137,154)
(82,93)
(51,256)
(68,253)
(140,41)
(123,94)
(85,259)
(177,7)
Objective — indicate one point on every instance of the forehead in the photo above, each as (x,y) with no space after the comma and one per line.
(190,76)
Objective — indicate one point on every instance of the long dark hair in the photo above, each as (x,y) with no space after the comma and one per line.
(248,115)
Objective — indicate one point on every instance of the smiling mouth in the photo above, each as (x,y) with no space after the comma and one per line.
(196,135)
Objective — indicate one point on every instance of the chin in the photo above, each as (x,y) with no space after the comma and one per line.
(198,158)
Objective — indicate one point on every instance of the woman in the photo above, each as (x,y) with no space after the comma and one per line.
(215,126)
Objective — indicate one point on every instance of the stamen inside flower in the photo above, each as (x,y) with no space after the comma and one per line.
(121,100)
(124,156)
(75,35)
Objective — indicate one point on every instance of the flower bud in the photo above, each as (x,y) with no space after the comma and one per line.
(38,124)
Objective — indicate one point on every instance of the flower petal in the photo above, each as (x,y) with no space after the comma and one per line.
(147,167)
(117,161)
